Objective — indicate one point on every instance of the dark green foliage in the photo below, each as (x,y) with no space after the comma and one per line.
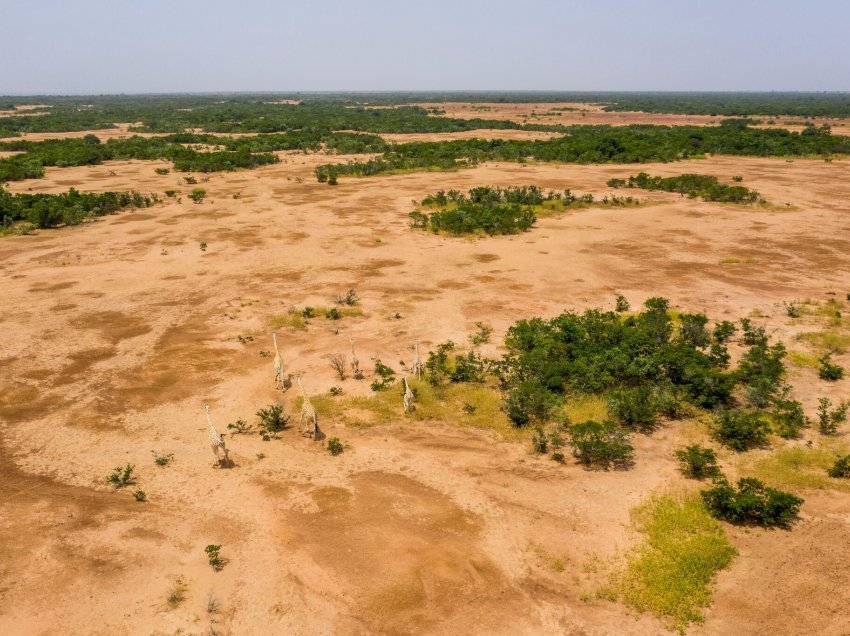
(841,468)
(272,421)
(336,391)
(828,370)
(741,430)
(634,407)
(197,194)
(335,447)
(724,330)
(621,305)
(693,185)
(214,556)
(788,418)
(333,314)
(442,367)
(529,401)
(698,461)
(121,477)
(829,419)
(751,503)
(386,375)
(140,496)
(598,352)
(69,208)
(603,445)
(761,369)
(600,144)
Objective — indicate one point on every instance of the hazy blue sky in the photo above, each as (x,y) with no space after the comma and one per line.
(109,46)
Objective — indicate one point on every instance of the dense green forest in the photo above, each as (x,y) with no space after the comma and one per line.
(227,153)
(693,185)
(69,208)
(599,144)
(242,114)
(368,112)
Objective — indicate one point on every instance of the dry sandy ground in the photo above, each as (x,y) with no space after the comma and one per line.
(113,336)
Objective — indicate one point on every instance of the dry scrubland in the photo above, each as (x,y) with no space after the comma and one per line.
(114,334)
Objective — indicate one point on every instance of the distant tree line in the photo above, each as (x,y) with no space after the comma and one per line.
(597,144)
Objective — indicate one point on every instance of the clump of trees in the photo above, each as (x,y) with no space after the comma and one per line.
(751,503)
(69,208)
(692,185)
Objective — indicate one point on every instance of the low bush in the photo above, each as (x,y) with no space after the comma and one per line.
(751,503)
(197,194)
(841,468)
(162,459)
(272,421)
(830,419)
(634,407)
(335,447)
(698,461)
(601,444)
(386,376)
(240,427)
(828,370)
(741,430)
(693,185)
(213,552)
(788,418)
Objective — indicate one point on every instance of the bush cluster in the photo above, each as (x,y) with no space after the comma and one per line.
(751,503)
(692,185)
(69,208)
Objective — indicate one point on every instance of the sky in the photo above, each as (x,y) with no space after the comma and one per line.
(143,46)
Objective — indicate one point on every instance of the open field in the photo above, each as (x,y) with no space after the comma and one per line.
(115,333)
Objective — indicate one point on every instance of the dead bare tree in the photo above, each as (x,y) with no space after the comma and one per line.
(339,363)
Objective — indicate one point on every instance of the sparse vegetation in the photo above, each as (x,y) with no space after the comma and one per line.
(197,195)
(386,376)
(671,572)
(213,553)
(481,335)
(177,594)
(335,447)
(339,363)
(140,496)
(121,477)
(162,459)
(841,468)
(239,427)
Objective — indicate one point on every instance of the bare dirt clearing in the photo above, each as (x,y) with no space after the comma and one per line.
(116,333)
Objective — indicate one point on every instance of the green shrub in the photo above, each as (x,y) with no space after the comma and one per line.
(140,496)
(350,298)
(121,477)
(333,314)
(621,305)
(336,390)
(829,419)
(529,401)
(724,330)
(698,461)
(214,556)
(272,421)
(335,446)
(386,375)
(197,194)
(827,370)
(841,468)
(751,503)
(539,440)
(481,336)
(788,418)
(162,460)
(693,185)
(741,430)
(162,171)
(604,445)
(240,427)
(634,407)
